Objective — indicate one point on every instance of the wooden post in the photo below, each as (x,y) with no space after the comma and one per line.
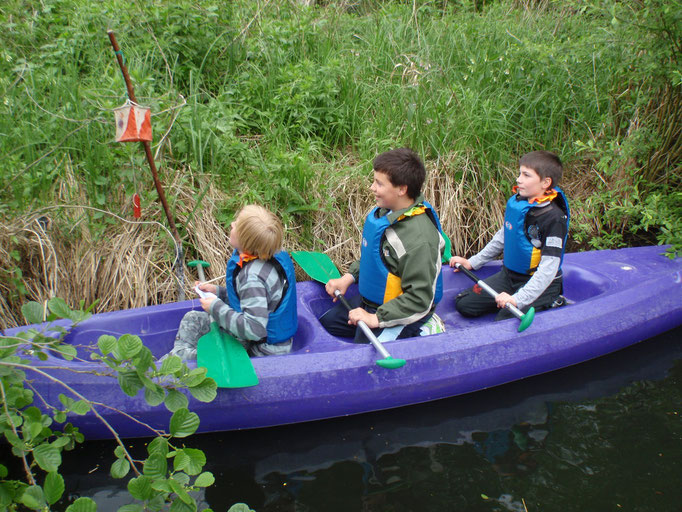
(150,159)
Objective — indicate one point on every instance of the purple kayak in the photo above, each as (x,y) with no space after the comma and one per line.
(616,298)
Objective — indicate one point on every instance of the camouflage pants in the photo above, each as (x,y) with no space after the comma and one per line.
(197,323)
(192,327)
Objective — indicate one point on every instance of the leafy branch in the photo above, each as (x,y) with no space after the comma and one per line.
(168,473)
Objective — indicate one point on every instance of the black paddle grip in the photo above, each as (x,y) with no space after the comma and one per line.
(468,273)
(343,300)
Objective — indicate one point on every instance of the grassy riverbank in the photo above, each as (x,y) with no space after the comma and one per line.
(286,104)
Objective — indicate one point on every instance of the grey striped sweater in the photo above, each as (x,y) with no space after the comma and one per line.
(259,287)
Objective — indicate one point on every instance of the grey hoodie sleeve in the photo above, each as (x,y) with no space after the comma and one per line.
(491,251)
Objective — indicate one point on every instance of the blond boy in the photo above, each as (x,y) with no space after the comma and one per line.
(258,304)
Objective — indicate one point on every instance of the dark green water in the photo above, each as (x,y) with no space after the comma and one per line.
(601,436)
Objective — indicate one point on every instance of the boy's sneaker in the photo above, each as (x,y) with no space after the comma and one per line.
(559,301)
(433,325)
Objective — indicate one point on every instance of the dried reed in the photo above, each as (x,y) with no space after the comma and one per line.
(131,263)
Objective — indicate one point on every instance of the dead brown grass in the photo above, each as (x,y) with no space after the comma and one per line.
(130,264)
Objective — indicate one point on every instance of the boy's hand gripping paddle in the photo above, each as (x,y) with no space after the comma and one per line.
(321,268)
(526,319)
(224,358)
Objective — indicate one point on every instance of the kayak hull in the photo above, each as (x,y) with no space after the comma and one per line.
(617,298)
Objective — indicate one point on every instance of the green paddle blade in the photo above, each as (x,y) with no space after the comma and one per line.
(391,363)
(225,359)
(527,319)
(317,265)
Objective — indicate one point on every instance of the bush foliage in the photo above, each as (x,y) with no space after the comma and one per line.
(264,97)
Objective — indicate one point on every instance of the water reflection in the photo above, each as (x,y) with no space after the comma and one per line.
(603,435)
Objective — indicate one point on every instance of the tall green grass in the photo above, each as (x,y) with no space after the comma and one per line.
(278,92)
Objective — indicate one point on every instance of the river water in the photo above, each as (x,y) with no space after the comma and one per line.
(605,435)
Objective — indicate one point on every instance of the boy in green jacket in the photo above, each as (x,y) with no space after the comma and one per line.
(399,271)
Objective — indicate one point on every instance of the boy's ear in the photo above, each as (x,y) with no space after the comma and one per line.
(402,190)
(546,183)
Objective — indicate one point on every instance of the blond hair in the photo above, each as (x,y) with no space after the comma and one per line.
(259,230)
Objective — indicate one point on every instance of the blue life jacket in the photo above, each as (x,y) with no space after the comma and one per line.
(283,322)
(377,284)
(520,255)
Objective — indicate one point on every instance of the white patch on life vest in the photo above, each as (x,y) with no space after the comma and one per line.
(364,242)
(396,243)
(508,225)
(554,241)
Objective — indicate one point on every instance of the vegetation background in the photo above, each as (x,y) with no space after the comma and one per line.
(286,103)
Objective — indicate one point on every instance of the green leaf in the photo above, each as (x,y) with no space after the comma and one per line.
(189,460)
(81,407)
(3,471)
(131,507)
(146,381)
(32,414)
(195,377)
(129,345)
(180,506)
(33,312)
(47,457)
(181,477)
(32,424)
(82,505)
(158,445)
(180,491)
(161,486)
(32,430)
(15,441)
(120,468)
(68,352)
(240,507)
(155,466)
(157,503)
(171,365)
(58,306)
(183,423)
(61,441)
(33,497)
(141,488)
(80,316)
(205,479)
(65,400)
(106,344)
(176,400)
(53,487)
(144,359)
(7,494)
(154,395)
(130,382)
(120,452)
(206,391)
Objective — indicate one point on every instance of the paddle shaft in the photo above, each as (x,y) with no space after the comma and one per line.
(200,271)
(365,328)
(514,310)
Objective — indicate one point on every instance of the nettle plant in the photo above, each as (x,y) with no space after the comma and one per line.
(38,431)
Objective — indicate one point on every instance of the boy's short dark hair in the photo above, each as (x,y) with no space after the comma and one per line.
(403,167)
(545,163)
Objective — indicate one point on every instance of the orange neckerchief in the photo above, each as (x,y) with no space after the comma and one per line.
(245,258)
(550,195)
